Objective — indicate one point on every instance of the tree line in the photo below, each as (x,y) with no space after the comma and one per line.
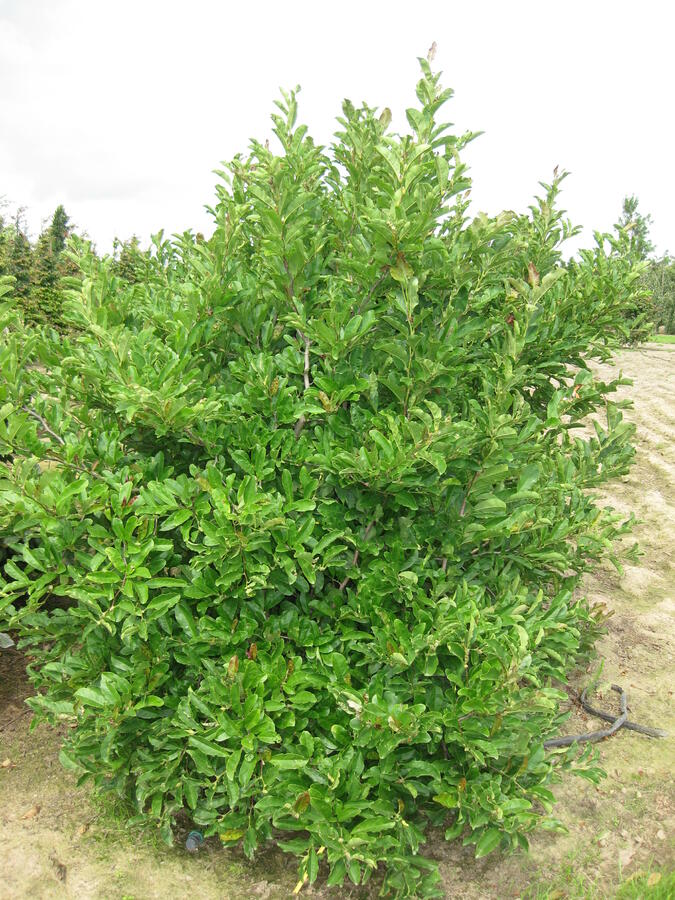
(659,277)
(39,267)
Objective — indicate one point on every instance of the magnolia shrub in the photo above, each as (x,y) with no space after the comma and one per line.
(294,523)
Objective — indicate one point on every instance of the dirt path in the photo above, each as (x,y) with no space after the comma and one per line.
(54,843)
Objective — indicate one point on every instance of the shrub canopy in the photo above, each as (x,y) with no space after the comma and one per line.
(296,520)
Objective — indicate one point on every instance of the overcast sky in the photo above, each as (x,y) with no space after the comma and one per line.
(121,110)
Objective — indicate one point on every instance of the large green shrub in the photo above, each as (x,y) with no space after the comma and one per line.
(298,518)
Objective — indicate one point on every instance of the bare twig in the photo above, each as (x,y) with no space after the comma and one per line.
(355,558)
(372,290)
(300,424)
(306,373)
(195,439)
(45,426)
(466,496)
(355,562)
(69,465)
(25,452)
(24,712)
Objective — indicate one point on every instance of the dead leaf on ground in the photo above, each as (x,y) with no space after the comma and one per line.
(635,876)
(653,879)
(32,812)
(6,763)
(60,869)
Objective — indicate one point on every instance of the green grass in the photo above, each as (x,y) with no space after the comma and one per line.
(571,885)
(662,339)
(638,887)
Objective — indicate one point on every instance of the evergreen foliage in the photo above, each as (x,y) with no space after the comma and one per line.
(15,255)
(49,266)
(130,262)
(637,226)
(45,297)
(58,231)
(298,519)
(39,270)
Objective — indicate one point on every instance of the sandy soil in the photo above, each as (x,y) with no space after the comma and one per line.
(56,843)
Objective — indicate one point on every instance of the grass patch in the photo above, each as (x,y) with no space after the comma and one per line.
(657,885)
(662,339)
(654,885)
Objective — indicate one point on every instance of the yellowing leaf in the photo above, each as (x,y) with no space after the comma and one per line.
(301,803)
(232,834)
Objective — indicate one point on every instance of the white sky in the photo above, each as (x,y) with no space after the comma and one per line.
(121,110)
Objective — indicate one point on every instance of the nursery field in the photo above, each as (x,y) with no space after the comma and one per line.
(56,841)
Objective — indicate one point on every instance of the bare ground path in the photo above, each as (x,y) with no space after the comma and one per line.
(56,843)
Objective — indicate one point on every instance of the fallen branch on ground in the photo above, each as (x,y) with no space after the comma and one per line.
(618,722)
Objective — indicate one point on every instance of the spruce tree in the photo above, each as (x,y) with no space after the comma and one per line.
(44,301)
(49,266)
(19,257)
(59,230)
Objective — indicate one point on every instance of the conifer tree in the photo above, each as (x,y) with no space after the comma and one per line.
(637,225)
(19,257)
(59,230)
(130,261)
(5,243)
(43,281)
(49,266)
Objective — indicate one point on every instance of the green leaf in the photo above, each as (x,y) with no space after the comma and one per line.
(232,763)
(91,696)
(287,761)
(489,841)
(448,799)
(208,748)
(185,619)
(305,562)
(373,824)
(489,507)
(175,519)
(287,482)
(312,866)
(382,443)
